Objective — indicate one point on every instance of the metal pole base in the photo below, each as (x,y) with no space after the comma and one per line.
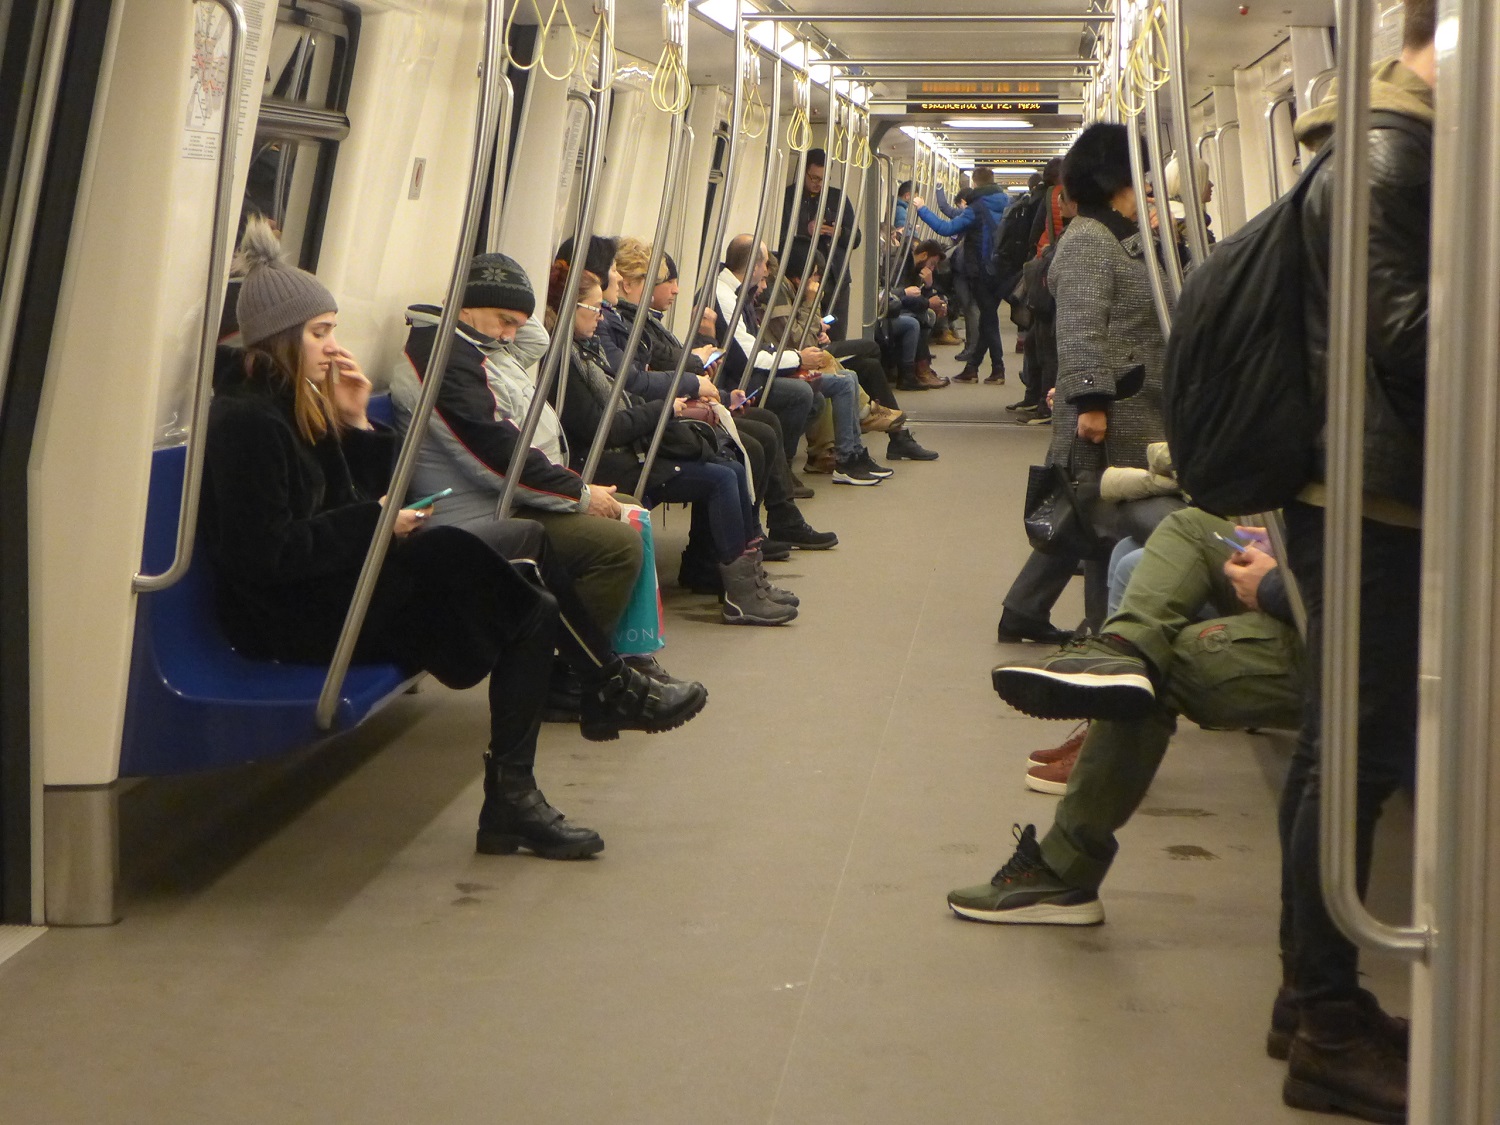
(82,854)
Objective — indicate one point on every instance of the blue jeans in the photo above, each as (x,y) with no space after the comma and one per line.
(1122,563)
(791,400)
(719,492)
(841,389)
(904,334)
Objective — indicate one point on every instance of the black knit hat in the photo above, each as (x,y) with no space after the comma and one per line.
(497,281)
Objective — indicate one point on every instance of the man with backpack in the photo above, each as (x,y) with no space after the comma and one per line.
(979,225)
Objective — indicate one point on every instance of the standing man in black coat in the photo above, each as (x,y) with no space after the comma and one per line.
(806,203)
(1346,1055)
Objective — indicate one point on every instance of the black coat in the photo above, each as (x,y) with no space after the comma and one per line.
(1396,340)
(287,524)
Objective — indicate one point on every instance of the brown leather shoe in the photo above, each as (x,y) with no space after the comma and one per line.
(967,375)
(1343,1061)
(1053,779)
(881,419)
(823,462)
(1068,749)
(926,377)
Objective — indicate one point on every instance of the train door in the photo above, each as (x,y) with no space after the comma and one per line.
(50,56)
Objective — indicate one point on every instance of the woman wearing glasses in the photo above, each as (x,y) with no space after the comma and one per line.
(689,468)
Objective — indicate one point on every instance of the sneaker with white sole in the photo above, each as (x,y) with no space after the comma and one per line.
(852,470)
(1027,892)
(1089,678)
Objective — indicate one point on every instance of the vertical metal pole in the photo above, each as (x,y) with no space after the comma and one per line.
(501,164)
(864,178)
(1273,167)
(1348,273)
(819,212)
(1143,219)
(561,345)
(838,223)
(597,112)
(1187,167)
(1455,1056)
(406,462)
(213,297)
(1166,229)
(708,260)
(803,92)
(766,188)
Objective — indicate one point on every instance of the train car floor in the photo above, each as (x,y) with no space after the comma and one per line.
(765,940)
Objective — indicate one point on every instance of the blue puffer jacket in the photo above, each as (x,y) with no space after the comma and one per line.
(980,231)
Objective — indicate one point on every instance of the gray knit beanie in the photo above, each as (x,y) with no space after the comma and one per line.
(497,281)
(274,295)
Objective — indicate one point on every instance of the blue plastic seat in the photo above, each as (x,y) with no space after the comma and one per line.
(195,703)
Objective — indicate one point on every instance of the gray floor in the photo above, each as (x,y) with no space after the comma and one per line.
(765,939)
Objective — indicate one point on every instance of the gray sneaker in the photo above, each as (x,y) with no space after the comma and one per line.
(1026,891)
(1090,678)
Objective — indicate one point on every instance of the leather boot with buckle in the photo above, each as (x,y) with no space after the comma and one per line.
(516,816)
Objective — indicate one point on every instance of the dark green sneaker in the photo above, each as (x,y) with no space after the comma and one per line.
(1026,892)
(1089,678)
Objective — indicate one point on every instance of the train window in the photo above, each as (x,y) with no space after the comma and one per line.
(302,120)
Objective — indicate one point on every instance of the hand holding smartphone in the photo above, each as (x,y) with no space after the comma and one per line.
(429,501)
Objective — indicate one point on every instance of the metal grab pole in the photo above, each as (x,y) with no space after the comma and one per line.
(648,285)
(1143,219)
(1348,310)
(743,298)
(213,302)
(824,292)
(711,252)
(561,344)
(593,149)
(820,210)
(500,177)
(803,92)
(1166,228)
(1187,167)
(1273,170)
(893,281)
(847,261)
(406,462)
(885,224)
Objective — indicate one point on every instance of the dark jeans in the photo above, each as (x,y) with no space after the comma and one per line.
(963,293)
(791,400)
(719,492)
(1324,963)
(904,334)
(863,358)
(987,294)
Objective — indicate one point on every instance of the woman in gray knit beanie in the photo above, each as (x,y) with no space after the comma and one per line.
(287,317)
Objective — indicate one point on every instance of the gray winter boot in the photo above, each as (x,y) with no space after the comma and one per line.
(745,601)
(775,593)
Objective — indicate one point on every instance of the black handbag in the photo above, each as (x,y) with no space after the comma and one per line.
(1059,512)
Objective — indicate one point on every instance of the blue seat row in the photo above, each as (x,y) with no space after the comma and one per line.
(194,702)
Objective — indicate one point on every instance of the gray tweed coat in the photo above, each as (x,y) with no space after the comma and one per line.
(1106,324)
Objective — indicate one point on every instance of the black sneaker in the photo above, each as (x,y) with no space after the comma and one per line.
(1023,407)
(1090,678)
(775,550)
(804,538)
(874,466)
(1027,892)
(853,471)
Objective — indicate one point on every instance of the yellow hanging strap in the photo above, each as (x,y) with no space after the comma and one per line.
(799,128)
(863,157)
(756,115)
(670,87)
(573,45)
(541,27)
(603,36)
(839,153)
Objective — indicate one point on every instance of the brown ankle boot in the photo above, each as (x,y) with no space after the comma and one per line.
(969,374)
(1343,1061)
(926,377)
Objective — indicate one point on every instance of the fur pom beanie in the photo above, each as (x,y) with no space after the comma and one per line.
(274,295)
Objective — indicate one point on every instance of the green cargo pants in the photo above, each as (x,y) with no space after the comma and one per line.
(1243,669)
(604,557)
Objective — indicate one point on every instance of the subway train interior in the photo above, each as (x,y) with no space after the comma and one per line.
(237,886)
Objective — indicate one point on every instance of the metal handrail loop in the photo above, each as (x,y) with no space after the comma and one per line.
(1143,219)
(406,461)
(1348,310)
(1187,167)
(1165,235)
(1273,168)
(213,311)
(711,251)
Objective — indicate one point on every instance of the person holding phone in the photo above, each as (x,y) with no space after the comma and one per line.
(760,430)
(295,480)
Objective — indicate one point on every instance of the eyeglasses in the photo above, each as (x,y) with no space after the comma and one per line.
(597,310)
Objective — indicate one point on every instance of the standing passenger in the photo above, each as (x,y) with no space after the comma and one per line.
(806,203)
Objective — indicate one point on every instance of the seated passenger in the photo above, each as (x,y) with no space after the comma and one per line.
(759,429)
(689,468)
(1154,660)
(294,482)
(481,407)
(920,301)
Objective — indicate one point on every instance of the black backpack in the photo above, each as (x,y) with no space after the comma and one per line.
(1240,416)
(1013,244)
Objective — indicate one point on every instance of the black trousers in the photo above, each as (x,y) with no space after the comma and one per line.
(1325,964)
(863,358)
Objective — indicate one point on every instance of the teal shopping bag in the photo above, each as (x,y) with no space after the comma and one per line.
(639,632)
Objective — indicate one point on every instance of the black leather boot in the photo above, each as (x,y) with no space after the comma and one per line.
(699,574)
(564,695)
(1285,1016)
(516,816)
(1342,1061)
(625,699)
(902,445)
